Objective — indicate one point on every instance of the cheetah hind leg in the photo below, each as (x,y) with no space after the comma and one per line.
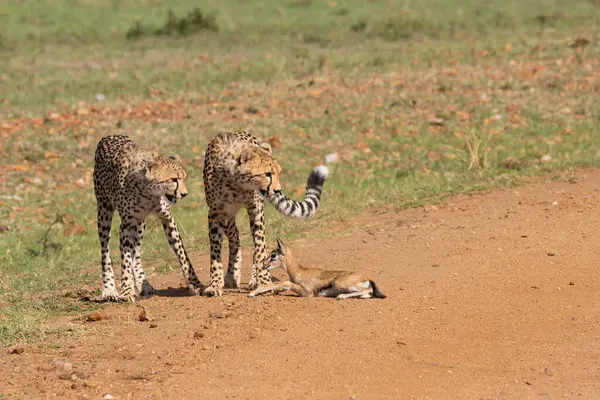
(234,270)
(215,232)
(105,217)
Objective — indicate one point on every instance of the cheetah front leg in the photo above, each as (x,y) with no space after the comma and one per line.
(105,216)
(142,286)
(215,233)
(256,214)
(172,233)
(234,269)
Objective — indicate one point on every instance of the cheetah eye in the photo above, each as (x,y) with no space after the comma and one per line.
(268,174)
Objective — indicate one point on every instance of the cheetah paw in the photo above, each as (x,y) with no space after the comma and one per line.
(110,295)
(127,298)
(212,292)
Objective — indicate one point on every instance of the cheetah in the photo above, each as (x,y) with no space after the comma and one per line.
(309,282)
(240,171)
(136,183)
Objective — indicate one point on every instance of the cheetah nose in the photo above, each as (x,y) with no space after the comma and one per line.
(183,195)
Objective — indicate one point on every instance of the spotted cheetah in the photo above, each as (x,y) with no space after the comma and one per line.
(240,171)
(136,183)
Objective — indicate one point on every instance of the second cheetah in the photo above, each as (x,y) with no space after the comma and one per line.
(240,171)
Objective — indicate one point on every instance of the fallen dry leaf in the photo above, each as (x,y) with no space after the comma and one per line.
(275,142)
(97,316)
(143,315)
(580,42)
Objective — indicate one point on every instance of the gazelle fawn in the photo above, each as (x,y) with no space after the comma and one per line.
(308,282)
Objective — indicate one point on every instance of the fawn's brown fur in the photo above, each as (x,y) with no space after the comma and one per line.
(308,282)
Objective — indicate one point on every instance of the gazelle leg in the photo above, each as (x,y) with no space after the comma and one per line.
(363,294)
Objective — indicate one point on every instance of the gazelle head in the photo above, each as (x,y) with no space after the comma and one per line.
(281,257)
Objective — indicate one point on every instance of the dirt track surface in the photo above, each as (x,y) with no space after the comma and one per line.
(489,296)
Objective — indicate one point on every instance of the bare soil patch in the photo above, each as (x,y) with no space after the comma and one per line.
(489,296)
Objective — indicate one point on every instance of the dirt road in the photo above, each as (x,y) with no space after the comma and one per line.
(489,296)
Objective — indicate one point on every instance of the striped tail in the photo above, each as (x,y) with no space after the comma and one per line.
(307,207)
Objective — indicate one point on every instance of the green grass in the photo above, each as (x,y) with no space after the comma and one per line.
(421,100)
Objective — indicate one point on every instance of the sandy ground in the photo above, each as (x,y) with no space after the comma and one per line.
(489,296)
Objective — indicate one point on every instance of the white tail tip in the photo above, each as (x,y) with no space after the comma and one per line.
(322,171)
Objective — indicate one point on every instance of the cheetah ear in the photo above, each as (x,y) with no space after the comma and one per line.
(175,157)
(149,159)
(245,156)
(267,147)
(280,246)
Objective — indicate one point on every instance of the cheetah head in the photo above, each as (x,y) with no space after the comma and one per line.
(165,176)
(258,170)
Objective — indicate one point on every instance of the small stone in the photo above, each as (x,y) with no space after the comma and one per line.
(100,96)
(90,384)
(571,283)
(153,325)
(546,158)
(511,163)
(435,121)
(64,364)
(535,287)
(108,396)
(16,350)
(551,254)
(555,203)
(198,335)
(220,314)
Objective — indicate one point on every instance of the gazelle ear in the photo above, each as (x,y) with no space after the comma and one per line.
(280,246)
(245,156)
